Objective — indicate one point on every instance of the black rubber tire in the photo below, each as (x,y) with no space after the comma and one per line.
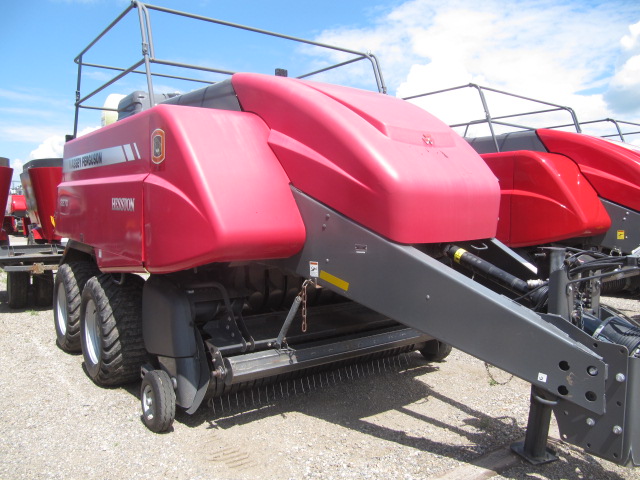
(111,329)
(436,351)
(158,400)
(43,288)
(67,290)
(18,289)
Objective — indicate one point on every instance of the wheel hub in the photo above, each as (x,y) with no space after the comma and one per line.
(92,332)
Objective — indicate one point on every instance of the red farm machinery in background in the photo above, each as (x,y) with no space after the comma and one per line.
(30,267)
(6,173)
(335,224)
(559,186)
(40,180)
(14,214)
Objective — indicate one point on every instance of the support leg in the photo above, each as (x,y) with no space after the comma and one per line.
(534,448)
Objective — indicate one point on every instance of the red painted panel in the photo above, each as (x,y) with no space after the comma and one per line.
(220,176)
(44,184)
(5,184)
(17,204)
(502,167)
(383,162)
(612,168)
(548,199)
(90,184)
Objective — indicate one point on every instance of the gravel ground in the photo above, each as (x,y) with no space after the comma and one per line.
(398,420)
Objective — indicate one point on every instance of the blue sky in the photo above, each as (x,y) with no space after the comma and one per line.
(584,54)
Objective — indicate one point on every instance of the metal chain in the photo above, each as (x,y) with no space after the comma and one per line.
(495,382)
(303,295)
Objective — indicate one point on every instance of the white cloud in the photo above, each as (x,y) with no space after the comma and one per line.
(624,87)
(631,41)
(53,146)
(560,51)
(17,165)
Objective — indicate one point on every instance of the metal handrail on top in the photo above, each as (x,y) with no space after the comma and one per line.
(149,58)
(499,120)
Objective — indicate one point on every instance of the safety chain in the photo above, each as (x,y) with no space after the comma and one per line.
(303,296)
(492,378)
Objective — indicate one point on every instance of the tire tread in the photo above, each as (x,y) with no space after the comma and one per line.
(120,313)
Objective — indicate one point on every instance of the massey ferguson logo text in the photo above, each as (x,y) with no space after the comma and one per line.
(86,161)
(118,154)
(123,204)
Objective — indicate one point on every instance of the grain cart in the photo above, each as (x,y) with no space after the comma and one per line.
(557,186)
(40,179)
(328,217)
(30,267)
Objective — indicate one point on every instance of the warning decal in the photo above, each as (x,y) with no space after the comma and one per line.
(313,269)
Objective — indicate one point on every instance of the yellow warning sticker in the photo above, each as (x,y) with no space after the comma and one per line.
(621,235)
(338,282)
(458,254)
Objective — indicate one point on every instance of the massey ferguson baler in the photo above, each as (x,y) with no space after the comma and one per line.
(328,221)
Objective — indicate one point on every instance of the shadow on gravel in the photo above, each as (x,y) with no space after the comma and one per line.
(4,307)
(571,465)
(338,403)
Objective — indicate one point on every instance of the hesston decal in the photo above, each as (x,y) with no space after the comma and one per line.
(123,204)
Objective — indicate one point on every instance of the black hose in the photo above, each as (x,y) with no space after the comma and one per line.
(486,269)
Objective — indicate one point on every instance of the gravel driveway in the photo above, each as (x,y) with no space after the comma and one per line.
(399,419)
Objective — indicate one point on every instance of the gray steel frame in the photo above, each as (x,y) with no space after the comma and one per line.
(623,220)
(149,57)
(30,258)
(413,288)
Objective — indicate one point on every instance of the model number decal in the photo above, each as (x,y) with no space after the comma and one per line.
(107,156)
(123,204)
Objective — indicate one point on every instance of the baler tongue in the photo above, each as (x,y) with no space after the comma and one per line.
(590,383)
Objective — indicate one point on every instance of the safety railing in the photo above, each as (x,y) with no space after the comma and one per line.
(143,66)
(619,125)
(623,129)
(504,120)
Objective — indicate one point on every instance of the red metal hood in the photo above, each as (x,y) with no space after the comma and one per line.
(380,161)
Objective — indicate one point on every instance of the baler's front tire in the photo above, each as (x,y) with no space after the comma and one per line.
(111,329)
(67,291)
(158,401)
(436,351)
(18,289)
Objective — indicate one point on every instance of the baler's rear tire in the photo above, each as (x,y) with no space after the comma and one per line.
(18,289)
(158,400)
(43,288)
(67,291)
(436,351)
(111,329)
